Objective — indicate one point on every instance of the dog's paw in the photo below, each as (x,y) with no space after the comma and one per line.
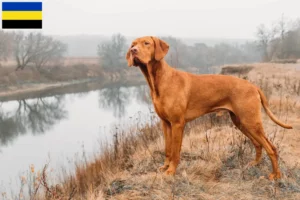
(163,168)
(170,172)
(274,176)
(252,163)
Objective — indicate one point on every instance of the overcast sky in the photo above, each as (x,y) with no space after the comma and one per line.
(180,18)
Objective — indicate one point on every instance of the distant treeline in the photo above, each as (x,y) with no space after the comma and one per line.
(30,49)
(280,41)
(198,55)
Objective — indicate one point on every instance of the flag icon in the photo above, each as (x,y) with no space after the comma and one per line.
(21,15)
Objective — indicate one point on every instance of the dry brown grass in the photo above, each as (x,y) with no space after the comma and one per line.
(69,61)
(66,61)
(285,61)
(8,75)
(236,70)
(213,160)
(69,68)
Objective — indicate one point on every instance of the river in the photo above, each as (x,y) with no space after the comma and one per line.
(57,126)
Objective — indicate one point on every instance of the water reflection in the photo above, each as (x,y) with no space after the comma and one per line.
(35,116)
(58,122)
(142,94)
(117,98)
(114,99)
(10,128)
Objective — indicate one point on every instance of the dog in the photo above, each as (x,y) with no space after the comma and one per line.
(179,97)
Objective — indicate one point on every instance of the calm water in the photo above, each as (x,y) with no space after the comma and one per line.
(56,128)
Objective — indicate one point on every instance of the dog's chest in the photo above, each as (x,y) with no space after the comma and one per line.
(159,107)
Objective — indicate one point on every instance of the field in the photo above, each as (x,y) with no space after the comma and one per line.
(66,61)
(214,155)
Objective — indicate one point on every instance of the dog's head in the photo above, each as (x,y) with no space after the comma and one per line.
(146,49)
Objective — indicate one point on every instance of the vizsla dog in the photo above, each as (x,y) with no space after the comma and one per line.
(180,97)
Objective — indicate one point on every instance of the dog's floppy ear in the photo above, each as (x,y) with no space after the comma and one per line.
(161,48)
(129,59)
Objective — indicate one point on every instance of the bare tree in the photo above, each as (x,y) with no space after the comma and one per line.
(23,49)
(112,53)
(282,28)
(5,45)
(176,51)
(281,41)
(47,50)
(297,24)
(37,49)
(264,37)
(291,43)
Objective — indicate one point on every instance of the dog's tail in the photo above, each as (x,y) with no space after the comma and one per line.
(268,111)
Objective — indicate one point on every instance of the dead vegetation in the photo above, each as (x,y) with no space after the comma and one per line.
(213,160)
(284,61)
(10,77)
(236,70)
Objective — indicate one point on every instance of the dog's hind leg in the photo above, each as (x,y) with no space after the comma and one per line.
(257,145)
(255,130)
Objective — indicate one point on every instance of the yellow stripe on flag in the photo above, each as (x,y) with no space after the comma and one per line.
(21,15)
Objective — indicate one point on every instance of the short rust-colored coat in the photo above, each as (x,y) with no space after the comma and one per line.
(179,97)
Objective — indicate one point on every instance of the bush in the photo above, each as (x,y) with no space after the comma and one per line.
(236,69)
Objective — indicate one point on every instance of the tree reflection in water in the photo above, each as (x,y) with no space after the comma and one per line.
(35,116)
(117,98)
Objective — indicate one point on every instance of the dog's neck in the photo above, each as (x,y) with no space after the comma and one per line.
(154,71)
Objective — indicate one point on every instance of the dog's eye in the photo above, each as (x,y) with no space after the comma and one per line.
(146,43)
(132,45)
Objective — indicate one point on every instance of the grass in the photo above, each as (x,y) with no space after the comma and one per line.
(284,61)
(8,75)
(213,162)
(236,70)
(22,83)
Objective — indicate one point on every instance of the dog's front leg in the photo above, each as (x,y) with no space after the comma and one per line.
(166,126)
(177,134)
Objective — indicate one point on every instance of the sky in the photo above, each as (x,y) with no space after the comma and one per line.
(180,18)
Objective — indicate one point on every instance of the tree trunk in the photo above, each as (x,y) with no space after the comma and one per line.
(20,67)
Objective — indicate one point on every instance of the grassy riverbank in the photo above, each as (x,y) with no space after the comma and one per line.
(22,83)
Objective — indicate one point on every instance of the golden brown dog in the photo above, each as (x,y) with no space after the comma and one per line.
(180,97)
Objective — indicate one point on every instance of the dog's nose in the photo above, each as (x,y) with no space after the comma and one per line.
(133,50)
